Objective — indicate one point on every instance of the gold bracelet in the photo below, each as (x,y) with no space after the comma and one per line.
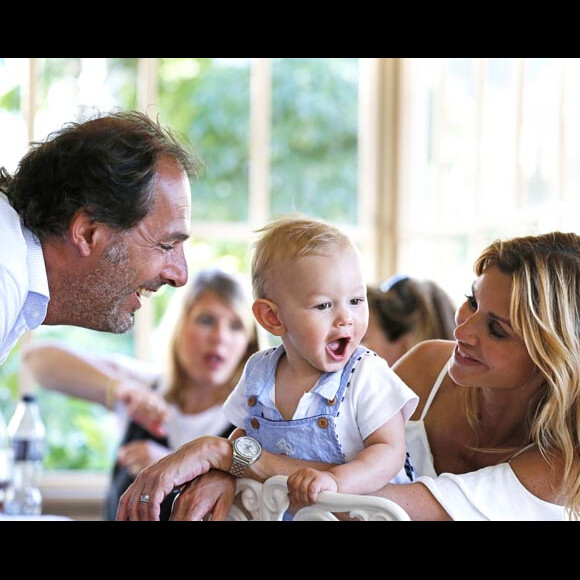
(110,392)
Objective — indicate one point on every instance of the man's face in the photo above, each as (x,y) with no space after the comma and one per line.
(141,260)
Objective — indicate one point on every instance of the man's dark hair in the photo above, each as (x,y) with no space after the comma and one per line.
(105,165)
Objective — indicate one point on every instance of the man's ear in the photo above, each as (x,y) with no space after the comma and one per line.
(85,233)
(266,313)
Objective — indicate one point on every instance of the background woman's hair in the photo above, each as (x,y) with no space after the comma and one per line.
(413,306)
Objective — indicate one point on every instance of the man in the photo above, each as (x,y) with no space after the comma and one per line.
(93,220)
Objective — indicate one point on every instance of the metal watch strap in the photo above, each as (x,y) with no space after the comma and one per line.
(239,467)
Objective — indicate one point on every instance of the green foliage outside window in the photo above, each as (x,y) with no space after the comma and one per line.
(314,170)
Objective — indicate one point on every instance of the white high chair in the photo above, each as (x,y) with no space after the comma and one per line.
(269,501)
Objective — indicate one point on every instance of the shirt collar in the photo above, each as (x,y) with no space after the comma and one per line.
(37,278)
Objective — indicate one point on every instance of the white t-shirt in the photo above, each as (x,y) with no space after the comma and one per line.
(184,427)
(492,493)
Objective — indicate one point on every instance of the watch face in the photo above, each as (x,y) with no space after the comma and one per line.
(248,447)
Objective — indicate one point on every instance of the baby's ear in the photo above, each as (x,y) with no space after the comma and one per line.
(266,313)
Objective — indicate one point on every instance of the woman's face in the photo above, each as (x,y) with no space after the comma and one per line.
(488,352)
(213,341)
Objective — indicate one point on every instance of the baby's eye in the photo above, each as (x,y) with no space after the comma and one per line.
(323,306)
(356,301)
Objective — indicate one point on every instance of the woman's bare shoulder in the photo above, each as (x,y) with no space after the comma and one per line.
(538,475)
(421,365)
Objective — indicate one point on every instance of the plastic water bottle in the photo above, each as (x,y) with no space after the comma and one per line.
(26,432)
(6,462)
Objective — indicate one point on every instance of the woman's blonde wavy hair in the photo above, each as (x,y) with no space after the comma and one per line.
(545,313)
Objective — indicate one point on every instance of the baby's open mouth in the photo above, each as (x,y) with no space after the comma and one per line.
(337,348)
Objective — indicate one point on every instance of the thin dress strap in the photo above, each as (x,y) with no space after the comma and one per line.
(434,390)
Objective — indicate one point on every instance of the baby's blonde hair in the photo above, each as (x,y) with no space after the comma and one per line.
(290,237)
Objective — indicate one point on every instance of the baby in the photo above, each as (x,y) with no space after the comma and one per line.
(320,396)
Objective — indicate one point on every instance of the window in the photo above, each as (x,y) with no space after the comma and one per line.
(275,135)
(489,148)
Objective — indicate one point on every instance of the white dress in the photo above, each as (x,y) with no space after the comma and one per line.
(492,493)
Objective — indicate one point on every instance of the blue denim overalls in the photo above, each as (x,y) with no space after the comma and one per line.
(313,438)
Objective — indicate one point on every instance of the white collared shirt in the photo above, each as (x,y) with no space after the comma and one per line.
(24,292)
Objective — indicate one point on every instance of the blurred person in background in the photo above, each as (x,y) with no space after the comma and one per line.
(404,311)
(212,334)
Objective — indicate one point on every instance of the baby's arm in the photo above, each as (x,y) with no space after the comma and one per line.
(380,460)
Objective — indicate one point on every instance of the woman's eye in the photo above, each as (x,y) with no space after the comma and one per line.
(471,302)
(496,330)
(205,320)
(237,326)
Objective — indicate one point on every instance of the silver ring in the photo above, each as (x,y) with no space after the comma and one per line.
(144,498)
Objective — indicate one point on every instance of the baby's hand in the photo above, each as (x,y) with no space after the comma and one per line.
(305,484)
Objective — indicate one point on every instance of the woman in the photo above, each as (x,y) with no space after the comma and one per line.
(496,435)
(213,336)
(404,311)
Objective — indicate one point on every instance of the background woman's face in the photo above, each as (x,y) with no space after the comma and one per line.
(213,341)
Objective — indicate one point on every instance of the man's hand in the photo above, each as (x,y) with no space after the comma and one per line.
(210,496)
(142,499)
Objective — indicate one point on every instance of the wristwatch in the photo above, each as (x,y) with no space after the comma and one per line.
(245,451)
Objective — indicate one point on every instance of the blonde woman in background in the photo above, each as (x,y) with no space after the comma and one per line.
(404,311)
(213,334)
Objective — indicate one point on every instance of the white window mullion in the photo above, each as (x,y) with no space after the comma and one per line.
(520,181)
(377,165)
(260,142)
(480,72)
(562,153)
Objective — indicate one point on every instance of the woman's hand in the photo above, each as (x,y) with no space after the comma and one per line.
(144,407)
(209,496)
(137,455)
(143,497)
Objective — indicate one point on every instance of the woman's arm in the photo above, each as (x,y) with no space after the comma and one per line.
(58,368)
(416,500)
(99,380)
